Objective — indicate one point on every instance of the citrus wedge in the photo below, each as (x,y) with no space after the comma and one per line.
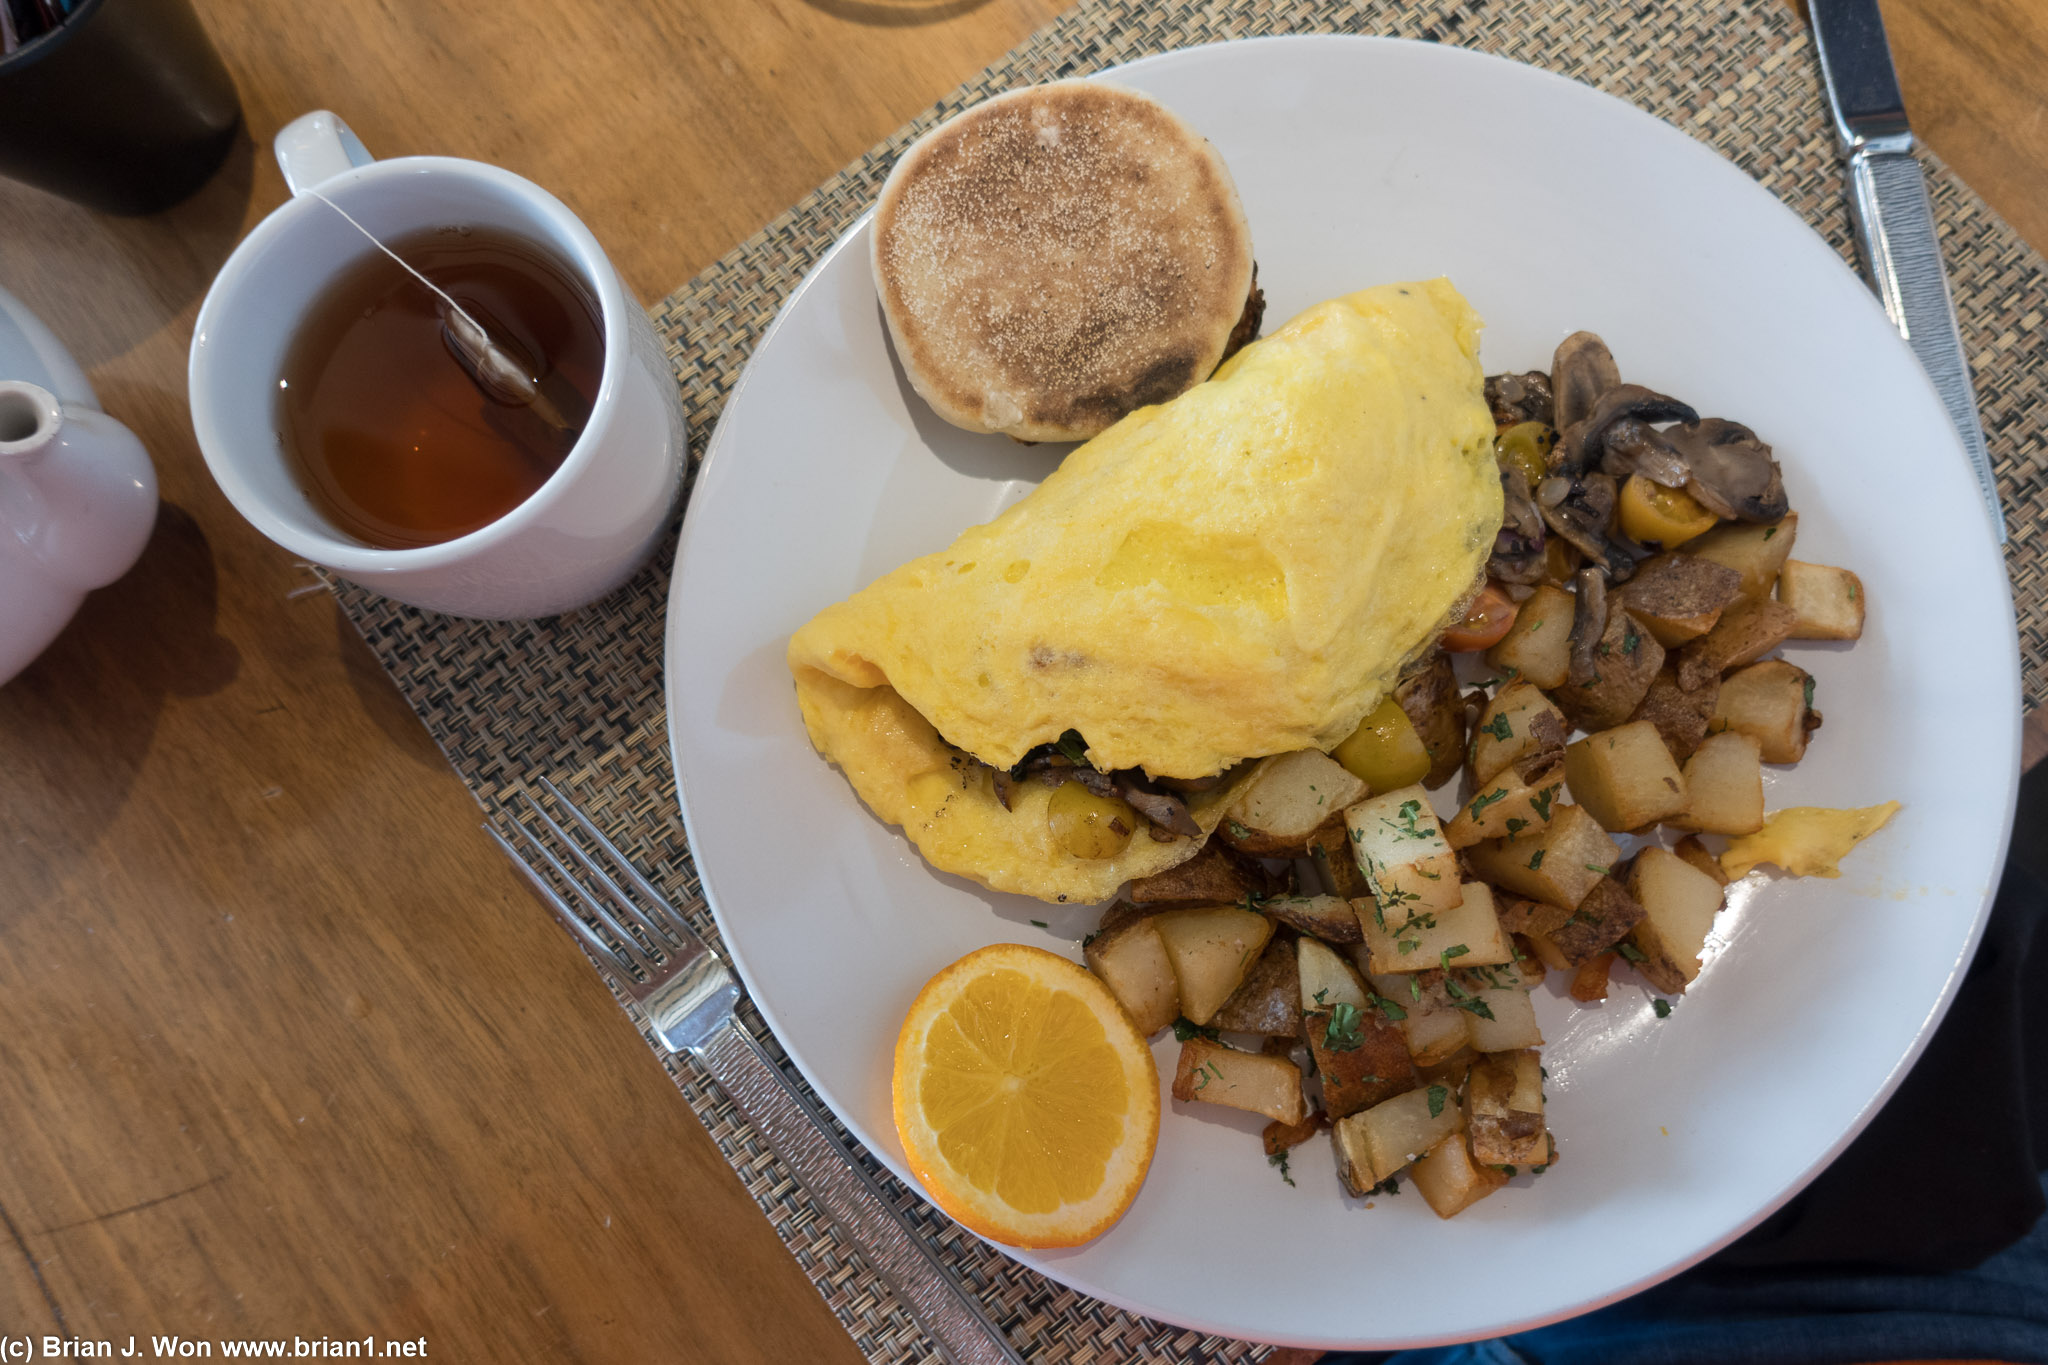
(1027,1102)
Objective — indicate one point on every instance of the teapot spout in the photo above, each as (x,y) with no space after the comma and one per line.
(77,492)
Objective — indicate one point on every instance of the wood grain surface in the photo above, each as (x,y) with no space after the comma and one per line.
(285,1047)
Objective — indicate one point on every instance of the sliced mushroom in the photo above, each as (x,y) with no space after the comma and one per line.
(1517,398)
(1005,784)
(1589,623)
(1191,784)
(1580,444)
(1733,473)
(1581,370)
(1165,810)
(1582,511)
(1633,446)
(1518,546)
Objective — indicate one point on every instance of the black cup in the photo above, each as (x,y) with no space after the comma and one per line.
(125,107)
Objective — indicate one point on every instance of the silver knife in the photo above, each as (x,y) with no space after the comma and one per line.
(1893,217)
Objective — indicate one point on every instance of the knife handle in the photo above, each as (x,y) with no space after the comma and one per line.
(1894,222)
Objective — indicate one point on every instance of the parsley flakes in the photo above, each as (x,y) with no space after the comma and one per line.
(1437,1096)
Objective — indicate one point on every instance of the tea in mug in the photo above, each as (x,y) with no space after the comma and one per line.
(391,437)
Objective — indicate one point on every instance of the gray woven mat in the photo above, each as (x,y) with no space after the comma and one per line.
(579,697)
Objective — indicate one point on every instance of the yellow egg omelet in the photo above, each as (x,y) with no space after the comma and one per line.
(1238,572)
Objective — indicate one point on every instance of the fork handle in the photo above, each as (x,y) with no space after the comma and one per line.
(848,1195)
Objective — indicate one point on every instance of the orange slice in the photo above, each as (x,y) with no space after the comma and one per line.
(1027,1102)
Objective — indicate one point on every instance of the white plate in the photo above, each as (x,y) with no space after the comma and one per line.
(1554,208)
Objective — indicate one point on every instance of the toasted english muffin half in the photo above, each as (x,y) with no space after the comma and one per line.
(1059,256)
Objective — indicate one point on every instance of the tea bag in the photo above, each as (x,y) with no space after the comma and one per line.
(499,370)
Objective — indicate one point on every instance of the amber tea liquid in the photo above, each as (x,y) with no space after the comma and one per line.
(391,439)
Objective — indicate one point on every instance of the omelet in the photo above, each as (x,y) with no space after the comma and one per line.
(1239,572)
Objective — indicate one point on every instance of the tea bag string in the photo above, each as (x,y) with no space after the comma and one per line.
(497,373)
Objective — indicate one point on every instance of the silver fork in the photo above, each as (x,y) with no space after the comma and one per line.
(689,996)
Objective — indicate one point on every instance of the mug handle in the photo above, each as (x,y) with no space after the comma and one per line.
(314,148)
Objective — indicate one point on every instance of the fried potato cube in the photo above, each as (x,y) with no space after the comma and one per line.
(1756,551)
(1744,634)
(1130,958)
(1557,863)
(1450,1181)
(1377,1143)
(1511,803)
(1268,1000)
(1724,783)
(1625,663)
(1252,1081)
(1504,1110)
(1361,1055)
(1329,848)
(1829,602)
(1679,597)
(1680,714)
(1701,857)
(1603,919)
(1288,799)
(1772,702)
(1679,904)
(1589,979)
(1211,949)
(1399,845)
(1416,1001)
(1280,1137)
(1518,722)
(1329,918)
(1403,938)
(1537,646)
(1500,1014)
(1430,697)
(1624,777)
(1215,876)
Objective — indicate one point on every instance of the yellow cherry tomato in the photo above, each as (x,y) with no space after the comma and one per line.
(1384,751)
(1669,516)
(1087,825)
(1526,446)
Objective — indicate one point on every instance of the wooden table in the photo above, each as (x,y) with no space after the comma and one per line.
(233,1100)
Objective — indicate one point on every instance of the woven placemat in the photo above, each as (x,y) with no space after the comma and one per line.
(579,697)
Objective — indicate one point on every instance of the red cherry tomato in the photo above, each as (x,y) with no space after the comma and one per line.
(1493,611)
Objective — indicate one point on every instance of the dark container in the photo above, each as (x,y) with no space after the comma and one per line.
(125,107)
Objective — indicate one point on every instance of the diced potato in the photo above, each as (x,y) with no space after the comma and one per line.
(1361,1055)
(1268,1001)
(1557,863)
(1515,801)
(1828,602)
(1772,702)
(1680,714)
(1519,721)
(1384,751)
(1756,552)
(1509,1018)
(1329,848)
(1288,799)
(1434,1027)
(1599,922)
(1504,1110)
(1405,939)
(1625,663)
(1280,1137)
(1743,635)
(1450,1071)
(1400,847)
(1537,646)
(1589,979)
(1701,857)
(1450,1181)
(1329,918)
(1679,597)
(1215,876)
(1437,711)
(1724,783)
(1679,904)
(1252,1081)
(1624,777)
(1211,949)
(1130,958)
(1380,1141)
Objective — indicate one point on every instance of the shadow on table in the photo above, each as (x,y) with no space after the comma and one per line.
(895,13)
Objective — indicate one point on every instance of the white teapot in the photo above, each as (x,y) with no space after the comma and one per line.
(77,491)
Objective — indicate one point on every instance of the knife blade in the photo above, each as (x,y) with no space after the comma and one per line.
(1893,217)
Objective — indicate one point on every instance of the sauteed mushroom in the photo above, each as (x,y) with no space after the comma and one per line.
(1518,398)
(1518,547)
(1589,623)
(1167,812)
(1733,474)
(1581,509)
(1580,371)
(1580,444)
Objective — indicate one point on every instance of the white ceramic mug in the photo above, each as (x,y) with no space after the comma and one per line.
(581,534)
